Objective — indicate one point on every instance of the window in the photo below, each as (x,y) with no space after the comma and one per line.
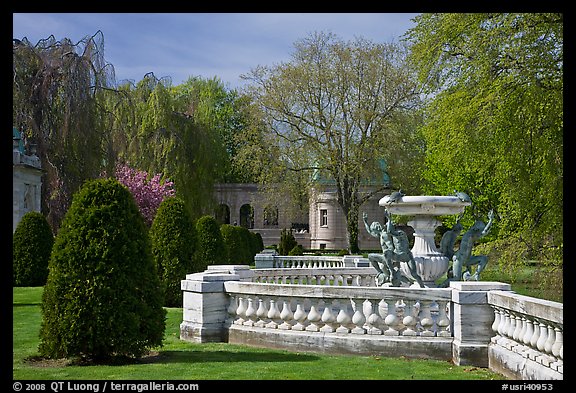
(323,217)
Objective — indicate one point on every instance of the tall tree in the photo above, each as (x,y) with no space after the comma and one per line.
(336,108)
(158,130)
(494,125)
(56,89)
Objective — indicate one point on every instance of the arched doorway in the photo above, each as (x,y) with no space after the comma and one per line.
(247,216)
(222,214)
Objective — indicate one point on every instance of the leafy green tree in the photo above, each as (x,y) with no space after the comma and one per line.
(173,237)
(32,243)
(103,296)
(339,107)
(494,121)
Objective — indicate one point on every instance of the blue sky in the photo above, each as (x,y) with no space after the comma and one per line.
(225,45)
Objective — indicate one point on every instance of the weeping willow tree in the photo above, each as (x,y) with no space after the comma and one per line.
(57,87)
(159,128)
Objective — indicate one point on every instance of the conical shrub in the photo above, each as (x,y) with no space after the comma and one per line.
(173,237)
(103,296)
(32,243)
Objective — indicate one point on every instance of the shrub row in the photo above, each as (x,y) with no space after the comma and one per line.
(179,246)
(107,277)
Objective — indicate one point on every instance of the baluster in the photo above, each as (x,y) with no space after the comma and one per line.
(409,320)
(352,280)
(502,325)
(391,321)
(250,313)
(496,319)
(536,335)
(300,316)
(373,319)
(522,333)
(314,319)
(273,315)
(426,319)
(528,333)
(344,318)
(347,280)
(507,324)
(443,322)
(232,306)
(543,337)
(261,313)
(511,326)
(328,318)
(550,341)
(287,316)
(240,310)
(358,319)
(518,328)
(557,348)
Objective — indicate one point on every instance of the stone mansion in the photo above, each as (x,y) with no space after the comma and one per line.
(322,226)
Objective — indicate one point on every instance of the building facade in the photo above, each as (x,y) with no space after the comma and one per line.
(321,227)
(26,180)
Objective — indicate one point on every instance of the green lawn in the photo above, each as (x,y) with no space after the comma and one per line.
(179,360)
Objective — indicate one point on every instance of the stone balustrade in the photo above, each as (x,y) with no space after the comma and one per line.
(337,310)
(361,277)
(268,259)
(528,339)
(308,261)
(352,310)
(341,319)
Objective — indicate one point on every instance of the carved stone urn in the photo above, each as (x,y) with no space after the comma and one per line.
(430,263)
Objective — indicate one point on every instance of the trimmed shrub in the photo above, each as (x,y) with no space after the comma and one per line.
(32,243)
(256,243)
(237,247)
(173,237)
(297,250)
(102,297)
(210,247)
(287,242)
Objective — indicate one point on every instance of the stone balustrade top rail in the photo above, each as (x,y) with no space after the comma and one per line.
(332,292)
(526,305)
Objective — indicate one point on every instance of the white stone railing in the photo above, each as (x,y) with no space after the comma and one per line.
(307,261)
(481,323)
(417,312)
(361,277)
(269,260)
(528,335)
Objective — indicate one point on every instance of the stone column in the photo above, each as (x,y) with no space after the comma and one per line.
(205,304)
(472,320)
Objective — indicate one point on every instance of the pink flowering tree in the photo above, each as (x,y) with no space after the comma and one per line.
(148,192)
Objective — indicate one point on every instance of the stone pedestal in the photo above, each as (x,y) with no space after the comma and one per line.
(205,304)
(472,318)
